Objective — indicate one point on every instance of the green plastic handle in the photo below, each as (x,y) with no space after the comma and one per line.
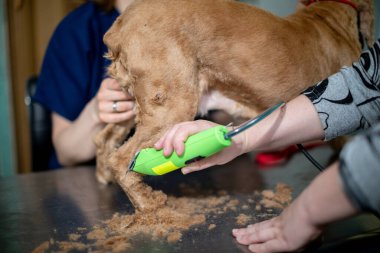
(149,161)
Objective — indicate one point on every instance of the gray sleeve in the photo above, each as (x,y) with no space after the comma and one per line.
(360,169)
(349,100)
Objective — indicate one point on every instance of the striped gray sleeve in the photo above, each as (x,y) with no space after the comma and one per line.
(349,100)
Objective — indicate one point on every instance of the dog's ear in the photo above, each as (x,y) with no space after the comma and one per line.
(367,20)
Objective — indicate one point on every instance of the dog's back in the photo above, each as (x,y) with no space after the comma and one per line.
(232,47)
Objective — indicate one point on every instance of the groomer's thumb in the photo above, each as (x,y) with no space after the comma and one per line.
(200,165)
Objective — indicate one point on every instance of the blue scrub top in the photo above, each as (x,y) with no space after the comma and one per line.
(74,66)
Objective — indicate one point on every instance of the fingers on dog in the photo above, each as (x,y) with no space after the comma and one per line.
(122,106)
(112,84)
(165,141)
(112,95)
(116,117)
(177,136)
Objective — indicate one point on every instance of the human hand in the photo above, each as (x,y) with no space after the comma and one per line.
(290,231)
(113,105)
(175,137)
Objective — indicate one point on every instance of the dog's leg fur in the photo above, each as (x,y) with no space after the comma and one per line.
(106,141)
(141,195)
(157,96)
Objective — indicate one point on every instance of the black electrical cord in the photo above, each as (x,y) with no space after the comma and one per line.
(311,159)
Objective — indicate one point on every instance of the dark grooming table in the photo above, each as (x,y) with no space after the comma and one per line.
(39,206)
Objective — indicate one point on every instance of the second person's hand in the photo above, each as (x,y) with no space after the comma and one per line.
(113,104)
(174,139)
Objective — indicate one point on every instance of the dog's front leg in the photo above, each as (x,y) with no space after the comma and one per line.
(143,197)
(107,141)
(153,120)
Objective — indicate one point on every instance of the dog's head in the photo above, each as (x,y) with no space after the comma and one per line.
(366,16)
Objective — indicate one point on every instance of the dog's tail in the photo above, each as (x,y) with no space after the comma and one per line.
(366,20)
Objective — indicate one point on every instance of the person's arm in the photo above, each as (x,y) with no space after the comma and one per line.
(322,202)
(296,122)
(73,141)
(360,169)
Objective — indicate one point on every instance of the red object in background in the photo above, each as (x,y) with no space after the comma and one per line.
(274,158)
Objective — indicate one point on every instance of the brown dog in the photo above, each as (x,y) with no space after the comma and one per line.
(179,57)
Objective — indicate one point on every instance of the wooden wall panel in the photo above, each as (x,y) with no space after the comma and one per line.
(46,16)
(22,66)
(31,24)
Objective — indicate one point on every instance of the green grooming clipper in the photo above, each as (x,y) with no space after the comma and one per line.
(150,161)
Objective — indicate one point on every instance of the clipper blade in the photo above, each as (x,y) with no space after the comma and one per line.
(133,162)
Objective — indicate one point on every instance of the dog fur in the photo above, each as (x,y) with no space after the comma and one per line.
(172,54)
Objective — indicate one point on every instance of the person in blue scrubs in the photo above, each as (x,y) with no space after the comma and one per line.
(74,86)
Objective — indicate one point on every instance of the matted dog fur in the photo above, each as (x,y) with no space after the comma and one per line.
(174,55)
